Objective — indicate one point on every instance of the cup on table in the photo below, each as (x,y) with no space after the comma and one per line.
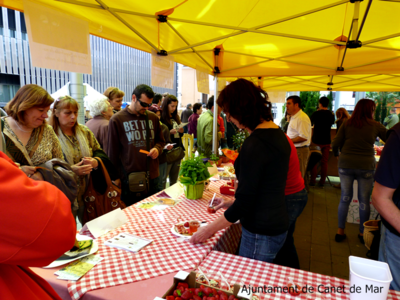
(193,226)
(211,209)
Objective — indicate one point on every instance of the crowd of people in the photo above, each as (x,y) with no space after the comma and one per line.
(61,155)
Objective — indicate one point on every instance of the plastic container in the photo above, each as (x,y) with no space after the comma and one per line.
(369,279)
(194,192)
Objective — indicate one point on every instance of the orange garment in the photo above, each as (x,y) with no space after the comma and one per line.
(36,227)
(221,124)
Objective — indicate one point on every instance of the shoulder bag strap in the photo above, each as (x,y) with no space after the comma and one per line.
(147,144)
(104,171)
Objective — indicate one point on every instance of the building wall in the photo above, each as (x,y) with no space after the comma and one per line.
(112,64)
(189,87)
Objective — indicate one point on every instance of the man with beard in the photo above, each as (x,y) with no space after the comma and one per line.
(127,137)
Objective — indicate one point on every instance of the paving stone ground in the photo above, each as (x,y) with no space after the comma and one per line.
(315,234)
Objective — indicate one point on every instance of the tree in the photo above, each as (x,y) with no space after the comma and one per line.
(378,110)
(309,102)
(384,102)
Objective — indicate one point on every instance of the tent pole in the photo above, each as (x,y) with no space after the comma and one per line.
(215,119)
(77,91)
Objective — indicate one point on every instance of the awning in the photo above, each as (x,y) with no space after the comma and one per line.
(297,44)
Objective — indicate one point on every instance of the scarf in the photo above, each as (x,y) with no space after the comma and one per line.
(68,146)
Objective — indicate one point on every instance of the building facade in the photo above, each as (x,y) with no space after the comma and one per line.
(112,64)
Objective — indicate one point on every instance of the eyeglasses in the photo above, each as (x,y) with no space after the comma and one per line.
(144,104)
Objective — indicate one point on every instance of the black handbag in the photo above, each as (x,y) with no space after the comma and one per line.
(175,154)
(139,182)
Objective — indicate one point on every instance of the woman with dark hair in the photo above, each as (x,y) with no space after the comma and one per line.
(355,139)
(261,168)
(192,126)
(169,117)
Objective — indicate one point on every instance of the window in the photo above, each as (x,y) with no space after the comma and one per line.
(23,24)
(11,19)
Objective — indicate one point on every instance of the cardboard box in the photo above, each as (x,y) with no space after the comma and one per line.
(190,279)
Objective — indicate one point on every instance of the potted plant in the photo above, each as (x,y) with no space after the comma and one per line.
(216,159)
(193,174)
(238,139)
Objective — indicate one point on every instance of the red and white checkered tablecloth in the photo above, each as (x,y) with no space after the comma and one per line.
(245,271)
(166,254)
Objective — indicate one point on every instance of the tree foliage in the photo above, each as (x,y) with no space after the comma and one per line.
(309,102)
(384,102)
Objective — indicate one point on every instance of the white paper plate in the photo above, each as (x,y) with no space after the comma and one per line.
(58,263)
(182,235)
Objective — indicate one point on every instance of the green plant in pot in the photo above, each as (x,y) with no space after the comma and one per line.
(193,174)
(216,159)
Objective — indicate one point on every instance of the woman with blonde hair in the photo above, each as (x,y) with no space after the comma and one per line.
(114,96)
(341,115)
(29,141)
(79,146)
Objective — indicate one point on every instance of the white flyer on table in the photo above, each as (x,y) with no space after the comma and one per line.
(129,242)
(105,223)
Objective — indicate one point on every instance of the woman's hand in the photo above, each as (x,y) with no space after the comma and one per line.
(90,161)
(172,131)
(180,130)
(222,203)
(170,146)
(80,169)
(202,234)
(37,176)
(28,170)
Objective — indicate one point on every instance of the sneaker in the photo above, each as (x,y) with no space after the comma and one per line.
(312,184)
(320,185)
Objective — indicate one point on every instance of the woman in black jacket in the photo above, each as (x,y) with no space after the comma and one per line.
(261,169)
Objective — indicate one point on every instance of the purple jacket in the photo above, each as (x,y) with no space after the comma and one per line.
(192,126)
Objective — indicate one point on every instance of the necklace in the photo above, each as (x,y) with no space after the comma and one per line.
(22,129)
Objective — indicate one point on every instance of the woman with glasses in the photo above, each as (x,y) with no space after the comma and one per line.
(170,117)
(115,97)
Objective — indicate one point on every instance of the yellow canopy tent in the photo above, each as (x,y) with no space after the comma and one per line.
(291,45)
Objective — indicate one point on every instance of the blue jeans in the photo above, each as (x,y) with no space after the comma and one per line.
(295,204)
(163,176)
(365,179)
(389,253)
(260,247)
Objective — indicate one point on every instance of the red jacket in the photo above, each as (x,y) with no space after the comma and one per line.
(36,227)
(294,181)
